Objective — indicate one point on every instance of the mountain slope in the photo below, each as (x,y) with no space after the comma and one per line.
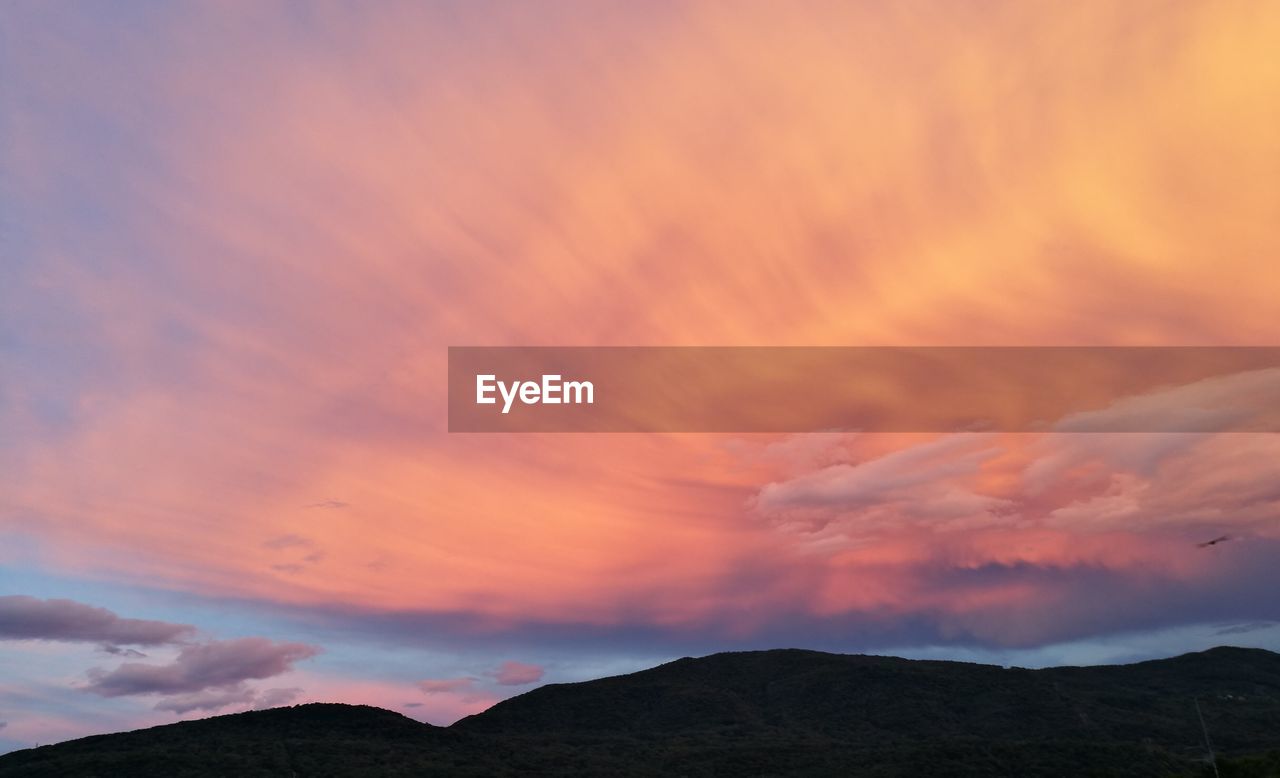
(280,741)
(783,712)
(867,697)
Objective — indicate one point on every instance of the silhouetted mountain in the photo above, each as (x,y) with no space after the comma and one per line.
(785,712)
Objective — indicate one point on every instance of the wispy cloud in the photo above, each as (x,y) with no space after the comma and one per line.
(288,541)
(237,695)
(207,700)
(331,504)
(447,685)
(274,698)
(517,673)
(131,653)
(1244,629)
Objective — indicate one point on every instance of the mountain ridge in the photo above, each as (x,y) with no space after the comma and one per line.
(775,712)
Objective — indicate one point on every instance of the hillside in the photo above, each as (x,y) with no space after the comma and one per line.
(783,712)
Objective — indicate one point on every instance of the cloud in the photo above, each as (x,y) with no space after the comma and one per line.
(290,540)
(1244,629)
(517,673)
(1239,401)
(234,695)
(331,504)
(298,544)
(447,685)
(274,698)
(213,665)
(131,653)
(464,690)
(25,618)
(210,700)
(1021,539)
(851,485)
(935,484)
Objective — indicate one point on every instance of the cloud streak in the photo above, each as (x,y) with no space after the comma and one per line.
(447,685)
(23,617)
(512,673)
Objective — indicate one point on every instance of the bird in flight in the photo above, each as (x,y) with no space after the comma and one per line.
(1214,542)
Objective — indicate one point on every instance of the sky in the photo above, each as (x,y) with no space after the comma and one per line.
(236,240)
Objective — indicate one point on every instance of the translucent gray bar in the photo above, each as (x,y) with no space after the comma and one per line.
(872,389)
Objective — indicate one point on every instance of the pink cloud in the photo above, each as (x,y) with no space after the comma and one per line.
(517,673)
(447,685)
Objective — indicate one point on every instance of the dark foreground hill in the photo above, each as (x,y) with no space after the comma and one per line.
(756,713)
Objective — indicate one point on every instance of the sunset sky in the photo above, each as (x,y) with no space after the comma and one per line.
(237,239)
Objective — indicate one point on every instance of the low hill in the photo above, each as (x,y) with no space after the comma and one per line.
(783,712)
